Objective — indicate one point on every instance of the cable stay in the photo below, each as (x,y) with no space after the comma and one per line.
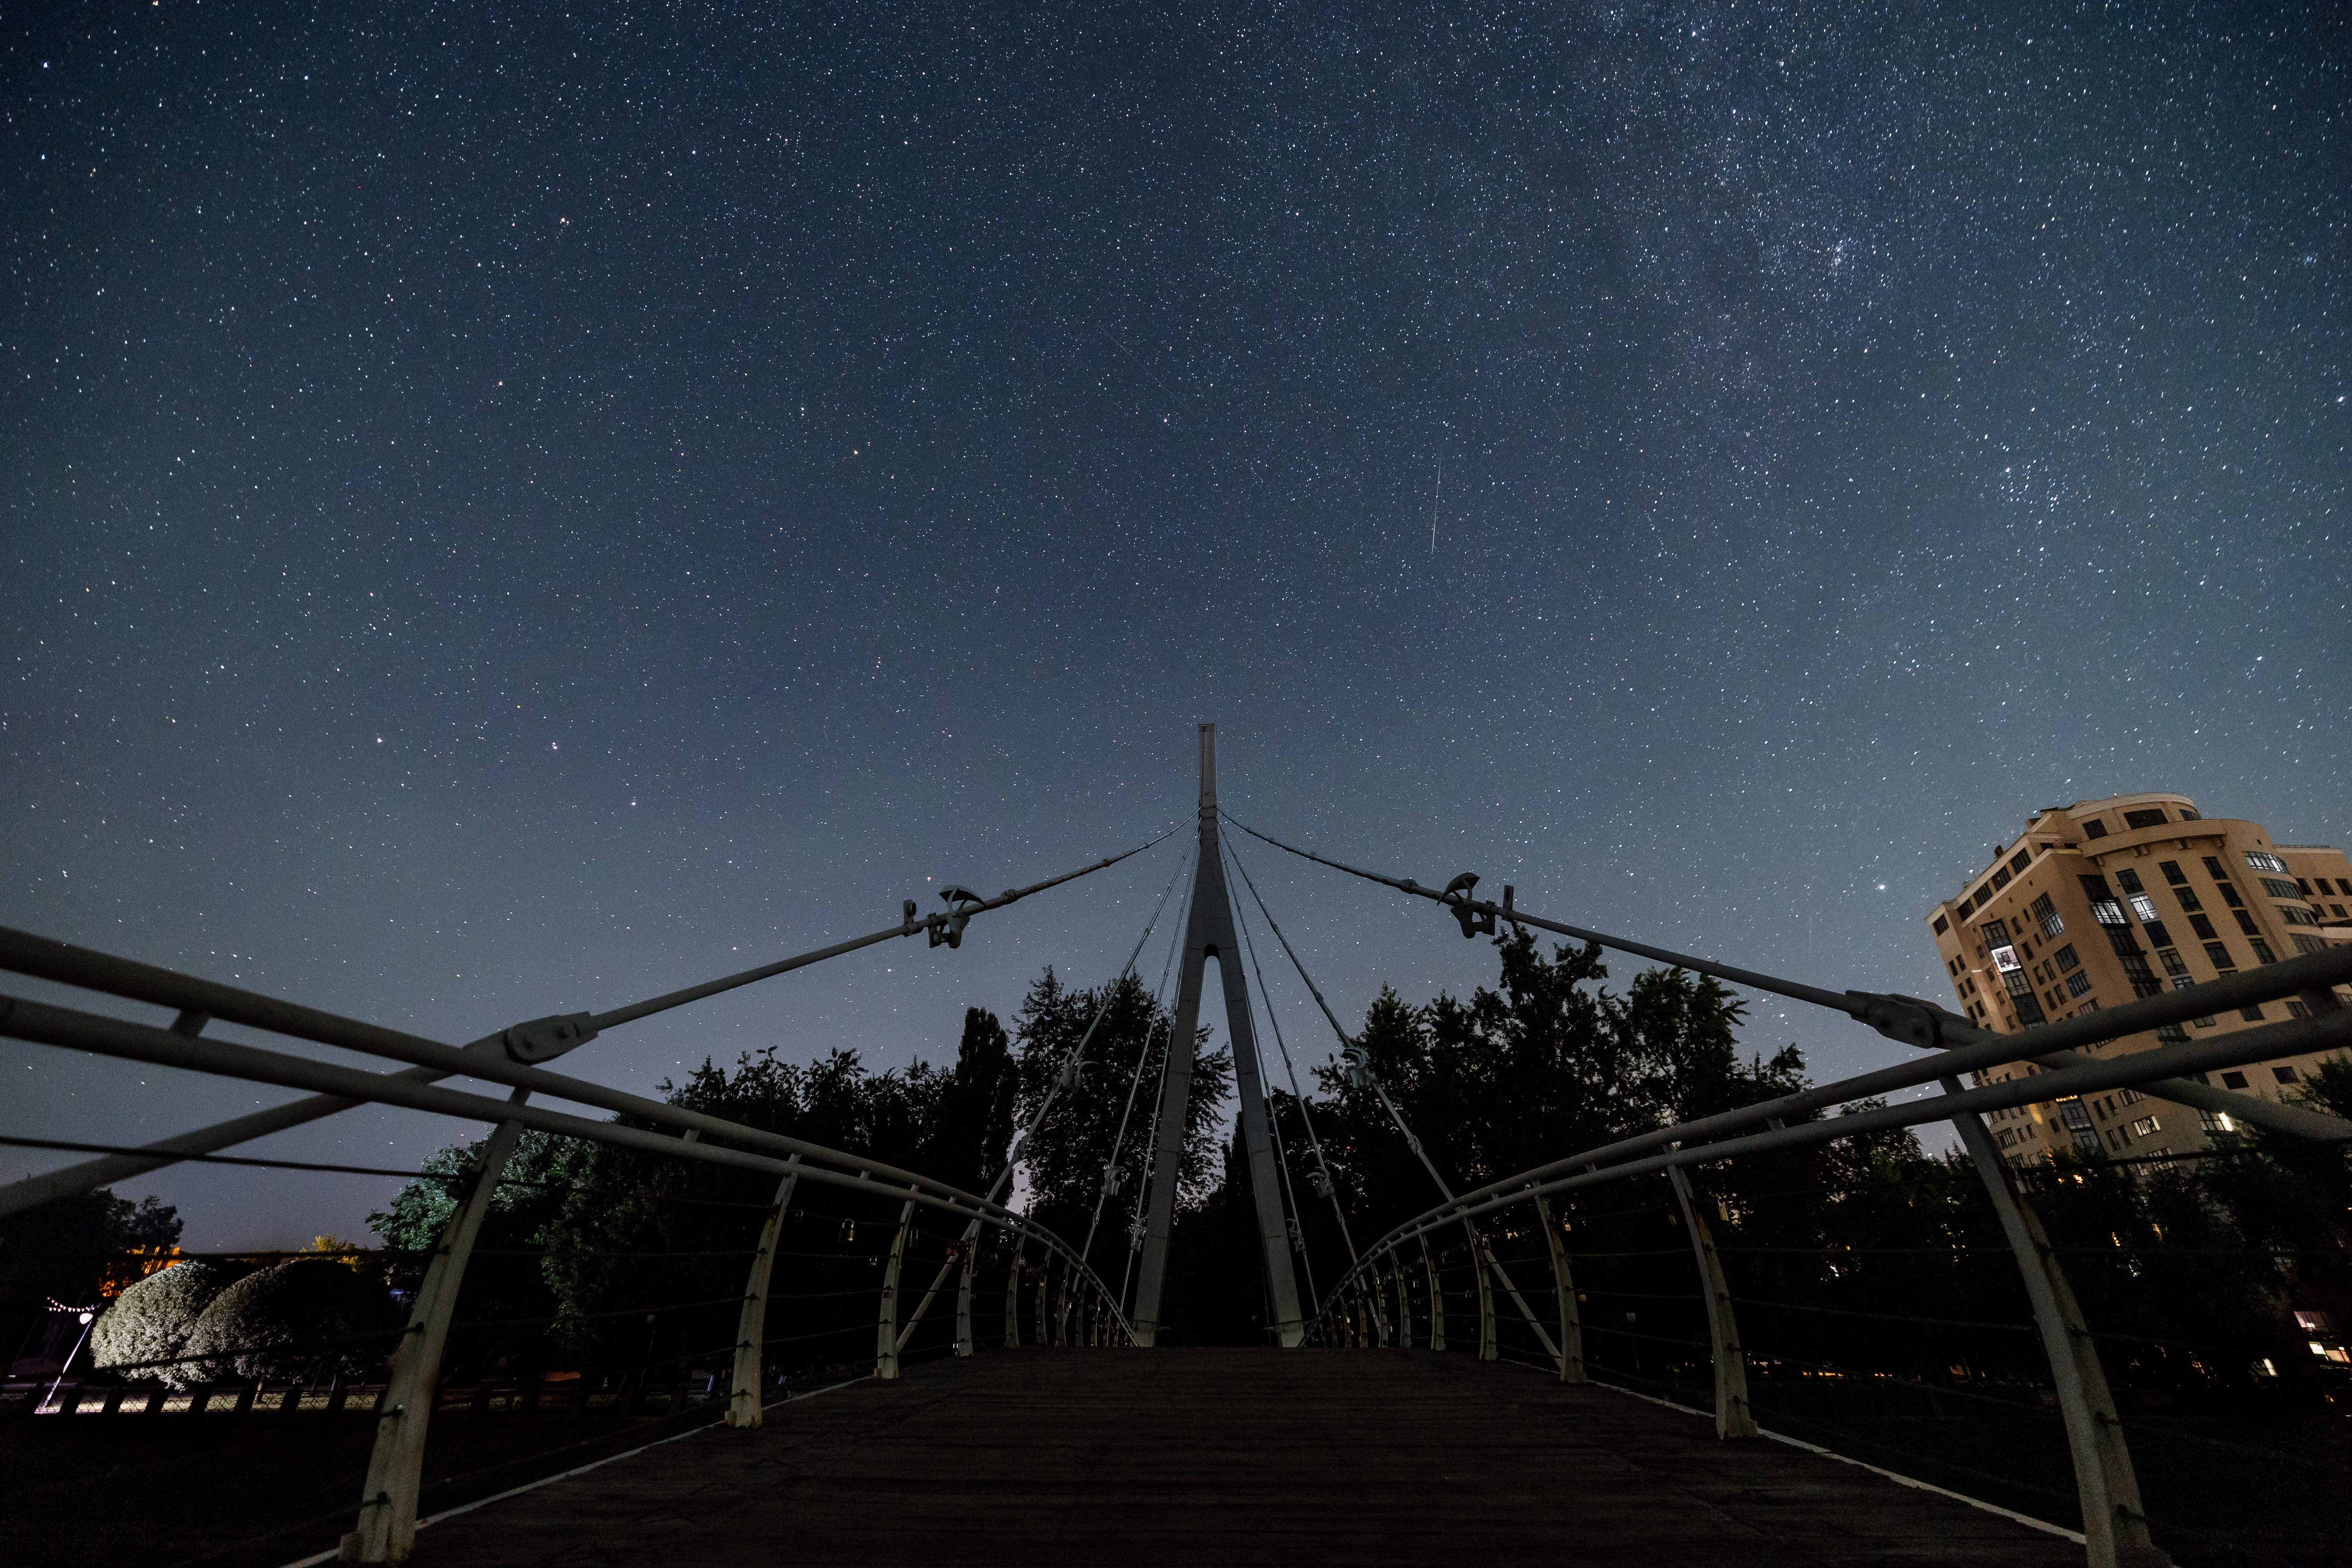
(1320,1178)
(1273,1122)
(1143,1189)
(1067,1077)
(1111,1169)
(1359,1074)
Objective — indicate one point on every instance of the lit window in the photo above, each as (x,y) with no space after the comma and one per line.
(2144,907)
(2144,1126)
(2262,862)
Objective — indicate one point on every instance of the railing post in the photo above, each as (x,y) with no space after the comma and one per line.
(387,1522)
(885,1333)
(1481,1261)
(1733,1418)
(1436,1300)
(743,1401)
(971,1244)
(1013,1298)
(2114,1527)
(1403,1305)
(1563,1287)
(1045,1301)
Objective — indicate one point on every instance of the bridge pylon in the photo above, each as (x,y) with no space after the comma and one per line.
(1210,933)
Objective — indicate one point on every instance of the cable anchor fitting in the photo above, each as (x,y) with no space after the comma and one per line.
(1456,897)
(1359,1068)
(962,904)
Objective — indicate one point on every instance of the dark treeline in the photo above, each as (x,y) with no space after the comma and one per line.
(603,1260)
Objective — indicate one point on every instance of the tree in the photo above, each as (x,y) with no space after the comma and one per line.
(1067,1157)
(304,1318)
(77,1250)
(146,1328)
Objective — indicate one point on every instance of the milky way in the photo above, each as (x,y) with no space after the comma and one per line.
(511,515)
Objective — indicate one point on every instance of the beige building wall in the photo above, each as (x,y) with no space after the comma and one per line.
(2103,901)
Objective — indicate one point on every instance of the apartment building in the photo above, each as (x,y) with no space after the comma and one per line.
(2105,901)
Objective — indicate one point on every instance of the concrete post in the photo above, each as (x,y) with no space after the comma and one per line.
(1563,1286)
(387,1522)
(743,1398)
(1732,1416)
(886,1331)
(2114,1526)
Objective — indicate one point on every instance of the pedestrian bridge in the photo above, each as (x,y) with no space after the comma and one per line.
(1198,1456)
(1593,1286)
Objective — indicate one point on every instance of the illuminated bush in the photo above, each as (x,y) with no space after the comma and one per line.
(151,1321)
(306,1317)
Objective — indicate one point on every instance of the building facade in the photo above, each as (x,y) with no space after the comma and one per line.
(2102,901)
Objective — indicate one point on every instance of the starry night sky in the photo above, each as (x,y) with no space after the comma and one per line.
(509,513)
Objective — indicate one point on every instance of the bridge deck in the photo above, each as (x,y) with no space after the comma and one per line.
(1210,1456)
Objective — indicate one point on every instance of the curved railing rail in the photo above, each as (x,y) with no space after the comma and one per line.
(1072,1303)
(1371,1303)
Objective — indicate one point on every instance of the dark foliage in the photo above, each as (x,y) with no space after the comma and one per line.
(307,1317)
(1066,1159)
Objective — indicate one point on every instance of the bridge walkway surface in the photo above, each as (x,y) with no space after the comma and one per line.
(1229,1456)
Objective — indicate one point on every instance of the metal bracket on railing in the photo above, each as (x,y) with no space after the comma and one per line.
(962,904)
(544,1039)
(1474,923)
(1359,1068)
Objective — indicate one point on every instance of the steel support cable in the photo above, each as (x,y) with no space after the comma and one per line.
(1930,1027)
(1071,1065)
(1395,1116)
(46,1025)
(1273,1122)
(1134,1081)
(198,1002)
(2294,1036)
(1159,1100)
(1306,1117)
